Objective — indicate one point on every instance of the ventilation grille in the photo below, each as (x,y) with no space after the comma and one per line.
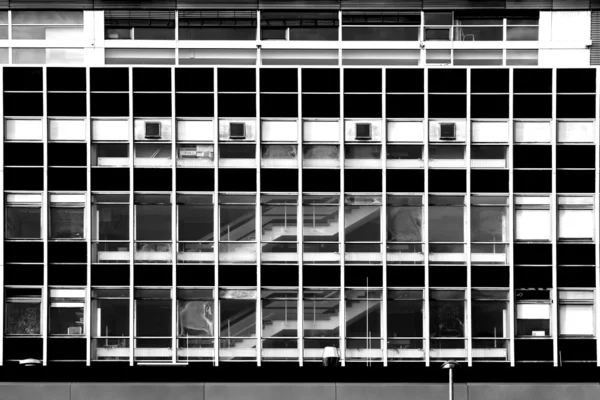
(595,50)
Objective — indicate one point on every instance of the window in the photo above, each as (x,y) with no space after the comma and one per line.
(405,313)
(111,217)
(195,217)
(575,218)
(217,25)
(23,311)
(279,232)
(446,219)
(152,217)
(153,308)
(195,312)
(363,218)
(237,315)
(110,313)
(576,312)
(66,216)
(380,25)
(321,305)
(237,218)
(490,314)
(23,216)
(47,25)
(321,218)
(140,25)
(67,311)
(534,308)
(532,218)
(447,313)
(282,25)
(488,219)
(438,25)
(405,215)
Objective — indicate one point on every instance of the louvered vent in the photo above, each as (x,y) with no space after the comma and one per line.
(595,50)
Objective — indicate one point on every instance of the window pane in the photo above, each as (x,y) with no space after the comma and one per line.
(404,224)
(533,319)
(321,318)
(153,222)
(66,223)
(532,225)
(66,321)
(490,319)
(363,223)
(280,315)
(576,319)
(446,224)
(238,222)
(238,318)
(153,317)
(23,223)
(112,222)
(447,318)
(196,318)
(488,224)
(279,223)
(321,223)
(23,318)
(111,318)
(405,318)
(48,17)
(576,224)
(196,222)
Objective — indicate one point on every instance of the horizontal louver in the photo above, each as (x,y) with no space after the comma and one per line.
(133,4)
(138,14)
(299,4)
(381,18)
(595,50)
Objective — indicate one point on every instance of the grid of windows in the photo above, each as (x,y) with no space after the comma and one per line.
(152,214)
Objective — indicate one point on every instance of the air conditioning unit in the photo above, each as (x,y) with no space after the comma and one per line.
(152,130)
(75,330)
(237,130)
(363,131)
(448,131)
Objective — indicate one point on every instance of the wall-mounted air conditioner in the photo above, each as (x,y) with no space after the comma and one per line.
(152,130)
(363,131)
(447,131)
(237,131)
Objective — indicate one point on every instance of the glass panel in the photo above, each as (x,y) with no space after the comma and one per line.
(48,17)
(522,57)
(488,224)
(41,32)
(363,223)
(238,222)
(533,319)
(532,225)
(195,317)
(23,318)
(280,315)
(363,314)
(195,222)
(404,224)
(447,314)
(238,316)
(363,152)
(67,321)
(405,152)
(405,317)
(438,18)
(110,317)
(437,56)
(110,349)
(111,222)
(522,33)
(471,33)
(153,317)
(66,223)
(153,222)
(279,223)
(321,155)
(321,223)
(381,33)
(490,319)
(321,317)
(437,34)
(446,224)
(23,222)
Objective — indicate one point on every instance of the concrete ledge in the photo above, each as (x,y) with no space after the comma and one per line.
(137,391)
(270,391)
(392,391)
(37,391)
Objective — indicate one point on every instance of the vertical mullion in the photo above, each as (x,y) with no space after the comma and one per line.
(511,219)
(131,225)
(342,227)
(553,211)
(596,219)
(174,223)
(2,197)
(216,224)
(469,317)
(299,227)
(383,216)
(340,44)
(258,225)
(45,219)
(425,222)
(176,52)
(88,224)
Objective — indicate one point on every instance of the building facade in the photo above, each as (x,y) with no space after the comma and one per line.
(208,185)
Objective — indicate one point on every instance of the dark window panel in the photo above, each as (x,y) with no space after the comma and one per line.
(279,275)
(579,156)
(67,105)
(67,154)
(24,274)
(23,79)
(362,106)
(195,179)
(535,156)
(110,179)
(279,80)
(72,349)
(236,79)
(67,179)
(237,105)
(320,80)
(405,276)
(109,105)
(538,253)
(532,181)
(109,79)
(152,179)
(575,80)
(67,252)
(237,275)
(405,81)
(405,180)
(70,275)
(110,275)
(66,79)
(447,106)
(448,276)
(195,275)
(532,80)
(445,180)
(279,180)
(533,277)
(363,276)
(489,81)
(23,104)
(153,275)
(279,105)
(152,105)
(405,106)
(233,180)
(322,276)
(321,106)
(575,254)
(362,180)
(570,181)
(489,181)
(321,180)
(584,277)
(26,154)
(216,33)
(23,348)
(532,106)
(151,79)
(362,80)
(577,350)
(489,276)
(23,252)
(23,179)
(489,106)
(575,106)
(533,350)
(194,79)
(194,105)
(447,81)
